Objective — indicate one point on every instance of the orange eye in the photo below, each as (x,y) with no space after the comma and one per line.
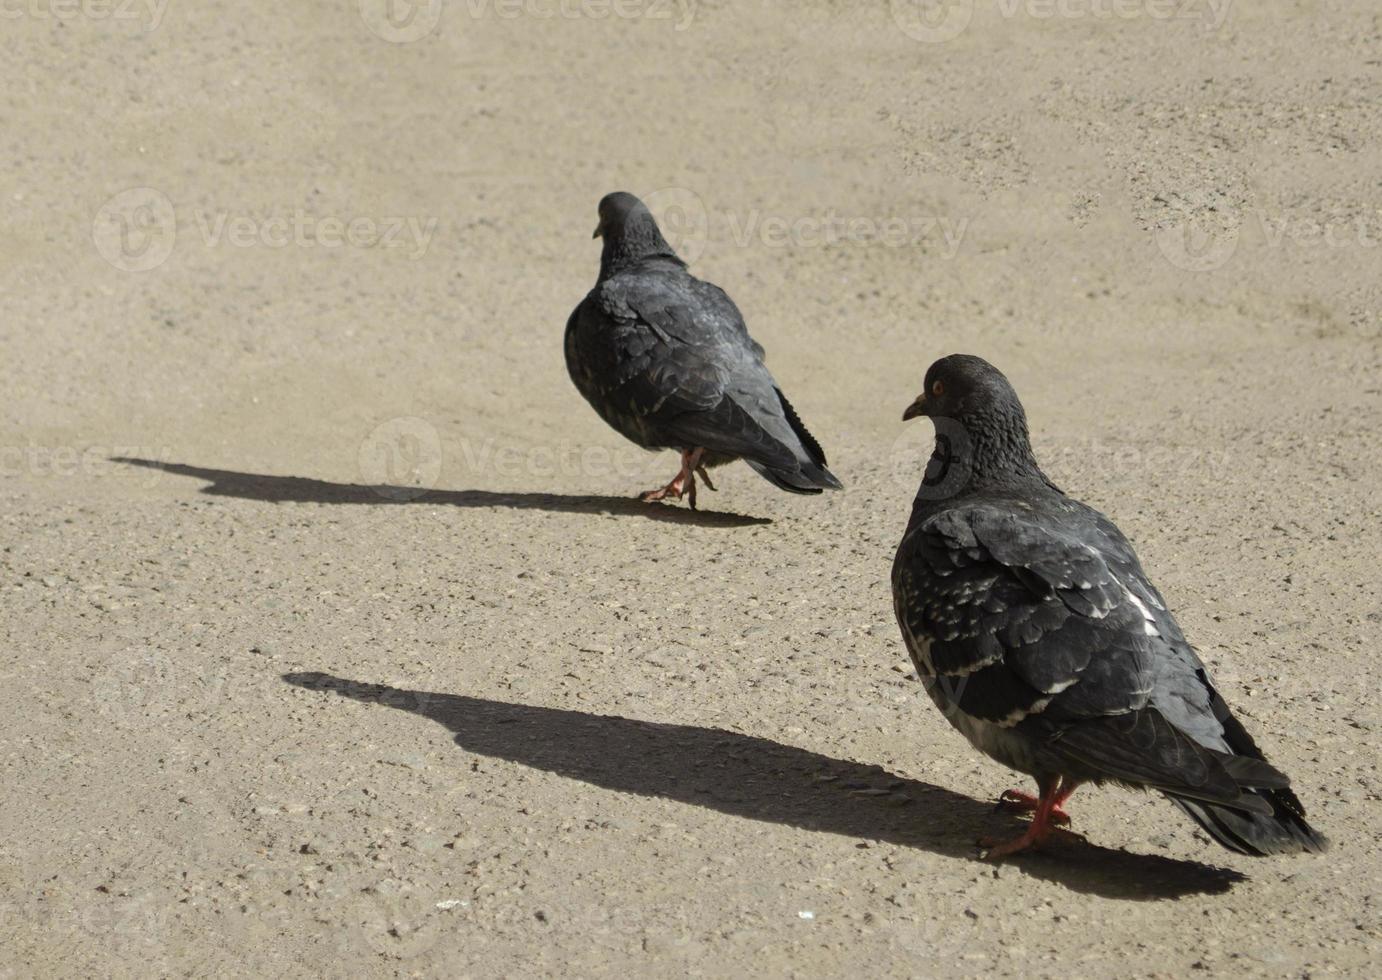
(937,388)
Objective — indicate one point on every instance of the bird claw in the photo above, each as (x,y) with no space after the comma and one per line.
(995,849)
(672,489)
(677,488)
(1016,801)
(684,484)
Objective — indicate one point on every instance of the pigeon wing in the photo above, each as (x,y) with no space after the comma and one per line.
(676,354)
(1007,615)
(1027,626)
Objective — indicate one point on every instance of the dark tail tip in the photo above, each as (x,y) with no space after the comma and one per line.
(809,479)
(822,477)
(1282,831)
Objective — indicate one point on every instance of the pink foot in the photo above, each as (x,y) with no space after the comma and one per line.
(1016,801)
(1046,814)
(674,489)
(684,483)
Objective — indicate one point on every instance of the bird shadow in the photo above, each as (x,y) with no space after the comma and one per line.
(757,778)
(298,489)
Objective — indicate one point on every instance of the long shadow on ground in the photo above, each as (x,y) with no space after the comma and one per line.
(760,779)
(282,489)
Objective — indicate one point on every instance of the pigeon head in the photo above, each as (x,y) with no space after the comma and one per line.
(963,384)
(980,424)
(630,233)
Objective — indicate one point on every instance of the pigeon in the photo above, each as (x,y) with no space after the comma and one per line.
(1036,632)
(666,360)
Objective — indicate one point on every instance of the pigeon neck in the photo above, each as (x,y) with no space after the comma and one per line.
(636,241)
(982,451)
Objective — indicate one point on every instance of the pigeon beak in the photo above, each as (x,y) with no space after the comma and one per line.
(599,229)
(917,407)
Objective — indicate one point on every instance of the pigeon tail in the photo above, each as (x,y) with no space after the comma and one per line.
(821,477)
(808,441)
(1283,831)
(812,476)
(808,478)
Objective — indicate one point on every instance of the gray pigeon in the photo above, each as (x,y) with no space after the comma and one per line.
(666,360)
(1036,632)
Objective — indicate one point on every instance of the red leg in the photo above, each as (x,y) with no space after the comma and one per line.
(1014,800)
(684,483)
(673,489)
(1053,793)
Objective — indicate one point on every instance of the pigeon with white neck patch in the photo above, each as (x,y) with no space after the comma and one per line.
(1035,630)
(667,361)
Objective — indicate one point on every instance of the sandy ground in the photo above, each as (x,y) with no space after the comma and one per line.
(259,717)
